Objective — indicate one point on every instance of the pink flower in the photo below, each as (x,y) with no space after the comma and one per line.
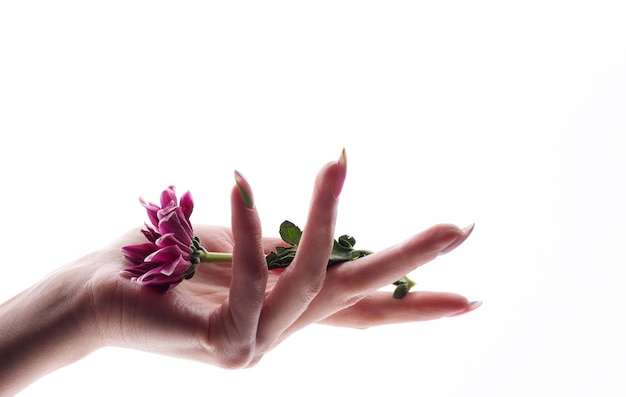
(171,253)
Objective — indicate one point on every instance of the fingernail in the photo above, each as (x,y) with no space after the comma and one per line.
(473,306)
(466,231)
(342,166)
(244,190)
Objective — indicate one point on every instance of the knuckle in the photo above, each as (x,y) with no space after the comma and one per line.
(238,357)
(313,283)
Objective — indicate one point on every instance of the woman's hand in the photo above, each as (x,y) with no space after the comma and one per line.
(228,314)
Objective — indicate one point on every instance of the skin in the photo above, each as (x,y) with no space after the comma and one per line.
(228,315)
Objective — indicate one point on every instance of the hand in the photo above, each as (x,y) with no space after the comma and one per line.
(228,315)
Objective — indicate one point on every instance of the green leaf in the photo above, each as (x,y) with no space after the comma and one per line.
(290,233)
(343,251)
(346,242)
(403,286)
(282,257)
(401,291)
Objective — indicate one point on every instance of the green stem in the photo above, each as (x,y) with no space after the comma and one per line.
(209,257)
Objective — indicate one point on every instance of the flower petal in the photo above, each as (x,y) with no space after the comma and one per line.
(152,210)
(168,196)
(151,234)
(137,253)
(165,254)
(170,239)
(167,269)
(174,222)
(186,204)
(157,280)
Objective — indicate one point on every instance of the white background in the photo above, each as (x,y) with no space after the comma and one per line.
(507,114)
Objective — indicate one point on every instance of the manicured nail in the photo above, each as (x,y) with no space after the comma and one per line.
(244,190)
(342,166)
(473,306)
(466,231)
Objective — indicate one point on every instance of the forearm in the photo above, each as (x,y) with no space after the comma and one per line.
(44,328)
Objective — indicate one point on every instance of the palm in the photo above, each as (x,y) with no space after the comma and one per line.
(185,312)
(209,288)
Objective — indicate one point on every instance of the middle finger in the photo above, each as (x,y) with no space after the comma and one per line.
(304,278)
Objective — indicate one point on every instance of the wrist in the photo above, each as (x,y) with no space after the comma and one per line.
(46,327)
